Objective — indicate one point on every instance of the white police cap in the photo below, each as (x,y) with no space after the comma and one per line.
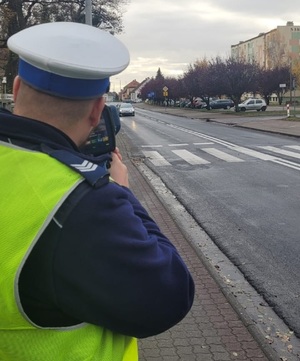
(68,59)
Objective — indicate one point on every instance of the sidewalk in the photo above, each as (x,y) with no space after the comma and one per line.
(212,330)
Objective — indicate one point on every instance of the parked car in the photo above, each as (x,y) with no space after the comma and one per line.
(187,104)
(126,109)
(198,103)
(220,104)
(253,104)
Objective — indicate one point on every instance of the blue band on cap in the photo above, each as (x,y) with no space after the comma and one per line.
(61,86)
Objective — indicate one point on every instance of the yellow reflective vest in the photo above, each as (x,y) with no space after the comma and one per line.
(32,188)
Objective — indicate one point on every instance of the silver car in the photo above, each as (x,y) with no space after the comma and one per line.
(126,109)
(253,104)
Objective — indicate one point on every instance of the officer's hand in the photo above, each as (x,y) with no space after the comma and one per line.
(118,169)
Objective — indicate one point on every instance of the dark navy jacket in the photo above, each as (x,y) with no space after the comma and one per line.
(108,264)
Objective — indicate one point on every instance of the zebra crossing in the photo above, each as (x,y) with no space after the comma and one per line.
(283,151)
(206,153)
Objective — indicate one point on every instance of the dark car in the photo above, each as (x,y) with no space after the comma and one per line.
(126,109)
(220,104)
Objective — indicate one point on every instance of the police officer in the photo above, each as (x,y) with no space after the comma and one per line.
(84,270)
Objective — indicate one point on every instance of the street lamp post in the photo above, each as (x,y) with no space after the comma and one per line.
(88,12)
(3,95)
(4,81)
(292,87)
(119,83)
(120,92)
(291,83)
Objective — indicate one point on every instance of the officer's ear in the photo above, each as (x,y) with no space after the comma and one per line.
(16,87)
(95,114)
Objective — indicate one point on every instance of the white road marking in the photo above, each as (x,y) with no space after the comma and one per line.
(251,153)
(207,143)
(178,145)
(297,147)
(243,150)
(190,157)
(286,163)
(234,147)
(156,158)
(282,151)
(152,146)
(222,155)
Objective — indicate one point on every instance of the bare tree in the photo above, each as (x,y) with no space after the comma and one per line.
(216,78)
(153,89)
(270,80)
(240,77)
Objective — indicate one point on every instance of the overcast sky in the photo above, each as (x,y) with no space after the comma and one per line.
(171,34)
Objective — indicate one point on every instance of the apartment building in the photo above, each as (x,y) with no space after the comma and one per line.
(280,46)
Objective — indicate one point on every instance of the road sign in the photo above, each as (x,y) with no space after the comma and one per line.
(165,89)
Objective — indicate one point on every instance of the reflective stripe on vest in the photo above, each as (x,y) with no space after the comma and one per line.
(32,188)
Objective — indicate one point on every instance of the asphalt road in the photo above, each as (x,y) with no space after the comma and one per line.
(242,187)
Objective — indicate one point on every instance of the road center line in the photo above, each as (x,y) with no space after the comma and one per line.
(282,151)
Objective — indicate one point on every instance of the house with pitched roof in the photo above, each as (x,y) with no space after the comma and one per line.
(131,92)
